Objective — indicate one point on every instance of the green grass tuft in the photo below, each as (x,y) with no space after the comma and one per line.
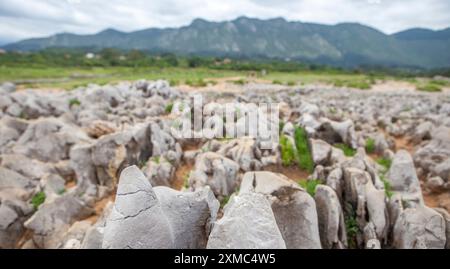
(348,151)
(239,82)
(386,163)
(168,108)
(277,82)
(287,151)
(310,186)
(38,199)
(387,187)
(291,83)
(430,87)
(351,225)
(370,145)
(74,102)
(156,159)
(305,160)
(196,83)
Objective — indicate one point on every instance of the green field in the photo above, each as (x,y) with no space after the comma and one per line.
(72,77)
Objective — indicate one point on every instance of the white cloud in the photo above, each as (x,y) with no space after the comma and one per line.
(21,19)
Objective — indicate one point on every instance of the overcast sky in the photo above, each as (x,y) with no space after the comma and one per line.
(20,19)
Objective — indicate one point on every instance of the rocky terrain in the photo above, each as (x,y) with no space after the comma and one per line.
(98,167)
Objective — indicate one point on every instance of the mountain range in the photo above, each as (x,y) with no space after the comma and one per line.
(345,44)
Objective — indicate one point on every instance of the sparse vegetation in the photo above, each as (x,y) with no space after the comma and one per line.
(370,145)
(387,187)
(354,83)
(348,151)
(239,82)
(225,200)
(385,162)
(430,87)
(142,163)
(287,151)
(310,185)
(38,199)
(291,83)
(196,83)
(277,82)
(169,108)
(156,159)
(174,82)
(74,102)
(351,225)
(281,126)
(305,160)
(186,180)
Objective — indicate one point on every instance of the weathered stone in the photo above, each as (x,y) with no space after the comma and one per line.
(216,171)
(248,223)
(190,215)
(420,227)
(293,208)
(331,218)
(53,219)
(11,227)
(137,219)
(403,178)
(49,140)
(320,151)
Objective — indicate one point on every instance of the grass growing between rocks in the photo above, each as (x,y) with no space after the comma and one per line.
(310,185)
(38,199)
(305,160)
(168,108)
(348,151)
(385,163)
(370,145)
(74,102)
(351,226)
(387,187)
(287,151)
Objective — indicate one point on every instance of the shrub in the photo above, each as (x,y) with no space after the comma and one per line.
(277,82)
(362,85)
(310,186)
(385,162)
(74,102)
(168,108)
(291,83)
(196,83)
(38,199)
(239,82)
(429,88)
(174,82)
(305,160)
(287,151)
(370,145)
(348,151)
